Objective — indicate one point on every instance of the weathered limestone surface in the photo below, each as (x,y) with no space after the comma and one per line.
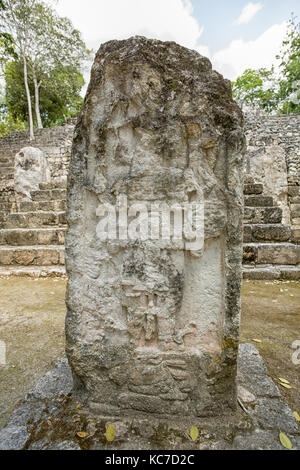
(31,169)
(268,165)
(152,327)
(255,425)
(265,134)
(273,157)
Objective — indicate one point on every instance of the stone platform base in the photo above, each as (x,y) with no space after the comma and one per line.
(271,273)
(50,417)
(254,273)
(33,271)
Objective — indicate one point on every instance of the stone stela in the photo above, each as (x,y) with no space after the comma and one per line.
(153,328)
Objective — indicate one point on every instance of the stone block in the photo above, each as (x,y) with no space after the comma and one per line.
(255,188)
(258,201)
(31,168)
(47,257)
(284,253)
(6,257)
(262,215)
(25,257)
(271,232)
(152,322)
(249,254)
(295,211)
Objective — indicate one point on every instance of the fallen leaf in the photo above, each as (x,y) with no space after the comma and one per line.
(82,434)
(49,422)
(78,406)
(194,433)
(110,433)
(285,385)
(284,381)
(285,441)
(257,340)
(297,417)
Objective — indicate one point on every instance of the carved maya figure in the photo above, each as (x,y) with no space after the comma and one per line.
(31,169)
(152,325)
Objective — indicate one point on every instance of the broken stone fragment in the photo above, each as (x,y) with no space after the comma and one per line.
(245,395)
(31,169)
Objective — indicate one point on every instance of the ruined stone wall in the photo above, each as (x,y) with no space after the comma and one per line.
(55,142)
(273,158)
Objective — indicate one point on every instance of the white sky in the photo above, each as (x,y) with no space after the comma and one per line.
(103,20)
(248,12)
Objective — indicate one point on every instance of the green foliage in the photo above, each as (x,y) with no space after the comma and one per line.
(6,41)
(290,69)
(59,93)
(8,123)
(45,78)
(275,92)
(258,88)
(54,42)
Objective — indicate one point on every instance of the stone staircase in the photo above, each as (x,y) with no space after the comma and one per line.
(33,232)
(271,248)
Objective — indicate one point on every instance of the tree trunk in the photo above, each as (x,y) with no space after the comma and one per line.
(37,103)
(30,120)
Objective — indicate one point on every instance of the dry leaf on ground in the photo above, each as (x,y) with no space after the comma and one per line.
(285,441)
(110,433)
(194,433)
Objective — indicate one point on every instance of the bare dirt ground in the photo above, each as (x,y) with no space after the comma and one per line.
(271,314)
(32,314)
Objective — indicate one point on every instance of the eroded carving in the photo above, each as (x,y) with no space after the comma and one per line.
(152,324)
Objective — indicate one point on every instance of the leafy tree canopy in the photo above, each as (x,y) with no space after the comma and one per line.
(43,81)
(59,94)
(271,90)
(6,40)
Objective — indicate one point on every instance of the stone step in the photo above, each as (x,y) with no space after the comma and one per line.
(6,195)
(33,206)
(295,237)
(296,221)
(32,255)
(294,200)
(270,272)
(53,185)
(253,189)
(6,176)
(267,233)
(6,161)
(34,219)
(32,271)
(31,237)
(294,191)
(49,195)
(262,215)
(7,206)
(295,211)
(271,253)
(48,206)
(5,169)
(259,201)
(7,185)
